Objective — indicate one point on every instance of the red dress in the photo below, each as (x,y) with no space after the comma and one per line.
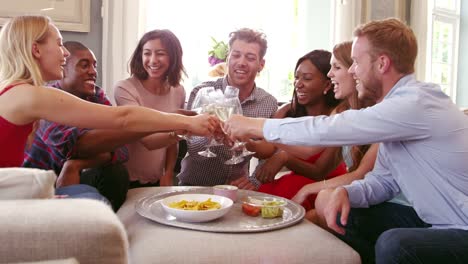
(12,140)
(288,185)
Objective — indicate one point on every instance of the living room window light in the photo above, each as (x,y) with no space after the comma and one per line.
(444,30)
(195,22)
(304,24)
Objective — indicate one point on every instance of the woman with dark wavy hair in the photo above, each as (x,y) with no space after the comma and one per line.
(156,70)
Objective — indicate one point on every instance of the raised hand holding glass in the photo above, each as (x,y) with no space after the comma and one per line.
(204,103)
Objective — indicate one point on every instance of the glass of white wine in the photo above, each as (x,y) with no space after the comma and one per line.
(230,107)
(233,92)
(203,103)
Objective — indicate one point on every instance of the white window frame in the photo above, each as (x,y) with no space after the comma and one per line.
(450,17)
(123,24)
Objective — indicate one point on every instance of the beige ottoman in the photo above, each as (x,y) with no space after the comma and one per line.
(151,242)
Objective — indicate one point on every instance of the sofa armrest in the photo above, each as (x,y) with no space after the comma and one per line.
(35,230)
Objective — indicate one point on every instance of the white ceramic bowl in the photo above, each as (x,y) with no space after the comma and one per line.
(228,191)
(197,216)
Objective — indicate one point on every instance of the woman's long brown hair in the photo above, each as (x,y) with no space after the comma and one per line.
(342,53)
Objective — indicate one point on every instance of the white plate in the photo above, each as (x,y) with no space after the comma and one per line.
(197,216)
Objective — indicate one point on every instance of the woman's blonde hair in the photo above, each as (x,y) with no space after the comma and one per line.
(17,63)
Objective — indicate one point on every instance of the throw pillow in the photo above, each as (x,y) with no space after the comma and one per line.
(26,183)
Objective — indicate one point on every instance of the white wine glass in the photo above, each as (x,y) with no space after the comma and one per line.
(230,107)
(201,99)
(196,107)
(204,104)
(231,92)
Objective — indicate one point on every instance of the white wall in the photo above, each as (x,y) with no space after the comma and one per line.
(92,39)
(314,17)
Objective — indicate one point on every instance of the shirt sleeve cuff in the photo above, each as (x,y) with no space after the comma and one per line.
(354,195)
(271,129)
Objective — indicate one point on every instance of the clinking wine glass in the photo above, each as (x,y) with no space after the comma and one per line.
(233,92)
(200,99)
(230,107)
(203,103)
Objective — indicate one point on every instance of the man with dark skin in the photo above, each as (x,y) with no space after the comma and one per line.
(94,157)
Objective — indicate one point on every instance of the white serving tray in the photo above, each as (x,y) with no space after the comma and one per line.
(235,221)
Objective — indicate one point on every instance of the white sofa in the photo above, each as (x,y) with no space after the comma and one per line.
(34,227)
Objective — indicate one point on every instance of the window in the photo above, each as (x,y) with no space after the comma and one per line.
(195,22)
(444,33)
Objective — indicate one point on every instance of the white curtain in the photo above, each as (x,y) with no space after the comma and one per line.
(346,15)
(123,24)
(419,23)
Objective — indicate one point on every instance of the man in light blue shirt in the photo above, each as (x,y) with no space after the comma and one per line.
(423,155)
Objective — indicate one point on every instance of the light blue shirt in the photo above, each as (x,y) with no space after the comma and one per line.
(348,159)
(423,152)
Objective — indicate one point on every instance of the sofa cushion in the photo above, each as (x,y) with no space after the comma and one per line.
(39,230)
(26,183)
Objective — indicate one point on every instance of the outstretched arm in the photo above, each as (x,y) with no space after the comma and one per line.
(97,141)
(244,128)
(394,119)
(61,107)
(262,148)
(104,140)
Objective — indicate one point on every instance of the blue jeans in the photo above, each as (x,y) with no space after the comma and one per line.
(81,191)
(393,233)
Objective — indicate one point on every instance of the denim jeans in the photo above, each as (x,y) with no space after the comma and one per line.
(81,191)
(393,233)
